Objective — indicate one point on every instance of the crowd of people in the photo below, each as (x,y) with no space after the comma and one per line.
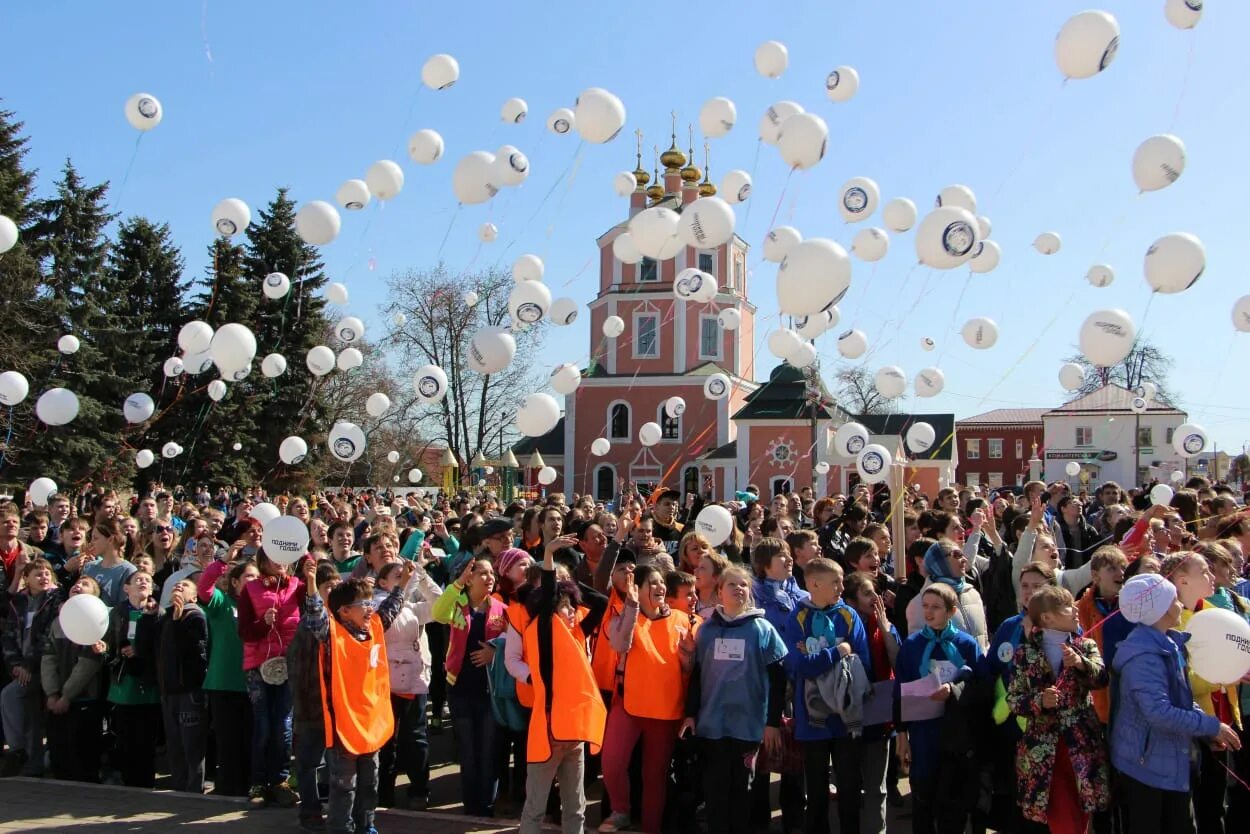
(1025,669)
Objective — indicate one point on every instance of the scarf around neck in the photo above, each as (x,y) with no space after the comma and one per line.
(944,638)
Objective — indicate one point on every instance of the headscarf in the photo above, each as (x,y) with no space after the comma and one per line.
(939,571)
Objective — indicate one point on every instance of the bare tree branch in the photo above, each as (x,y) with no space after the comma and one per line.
(857,392)
(1144,363)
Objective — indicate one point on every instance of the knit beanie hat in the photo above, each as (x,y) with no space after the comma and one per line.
(1146,598)
(508,559)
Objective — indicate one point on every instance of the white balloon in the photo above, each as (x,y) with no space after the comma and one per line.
(385,179)
(783,342)
(563,311)
(292,450)
(547,475)
(349,329)
(624,184)
(674,406)
(264,512)
(802,140)
(349,359)
(649,434)
(1087,44)
(353,195)
(138,407)
(707,223)
(890,381)
(927,343)
(217,390)
(1148,390)
(491,350)
(779,241)
(980,333)
(197,363)
(717,117)
(487,232)
(1219,645)
(144,111)
(899,214)
(1107,336)
(320,360)
(430,383)
(231,216)
(716,386)
(241,374)
(946,237)
(1189,439)
(920,437)
(473,180)
(273,365)
(1161,494)
(1072,469)
(600,446)
(929,382)
(811,327)
(392,456)
(1175,262)
(276,285)
(1100,275)
(285,539)
(561,121)
(1158,162)
(655,231)
(232,348)
(346,441)
(1184,14)
(600,115)
(377,404)
(317,222)
(566,378)
(144,458)
(852,344)
(736,186)
(527,268)
(174,367)
(1071,376)
(613,326)
(1138,405)
(984,226)
(803,355)
(529,301)
(1177,476)
(858,199)
(440,72)
(813,276)
(514,111)
(821,468)
(870,244)
(470,298)
(625,250)
(986,257)
(68,344)
(841,84)
(414,476)
(714,523)
(729,318)
(171,450)
(957,196)
(1241,314)
(771,59)
(8,234)
(1047,243)
(873,463)
(13,388)
(336,293)
(511,166)
(41,491)
(84,619)
(774,117)
(425,147)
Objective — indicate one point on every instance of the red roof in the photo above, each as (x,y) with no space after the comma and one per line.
(1006,416)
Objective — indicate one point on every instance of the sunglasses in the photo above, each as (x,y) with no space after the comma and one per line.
(164,529)
(364,604)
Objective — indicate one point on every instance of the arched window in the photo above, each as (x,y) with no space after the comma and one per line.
(670,427)
(605,482)
(618,421)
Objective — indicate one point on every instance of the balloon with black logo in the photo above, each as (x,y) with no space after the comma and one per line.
(600,115)
(514,111)
(1087,44)
(144,111)
(231,216)
(1175,262)
(735,186)
(561,121)
(946,237)
(873,463)
(717,117)
(841,84)
(858,199)
(440,72)
(491,350)
(276,286)
(430,382)
(425,147)
(529,301)
(346,441)
(716,387)
(353,195)
(813,276)
(1107,336)
(511,166)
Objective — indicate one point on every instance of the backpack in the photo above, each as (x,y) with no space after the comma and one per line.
(504,705)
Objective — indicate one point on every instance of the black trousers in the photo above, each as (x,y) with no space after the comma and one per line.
(407,751)
(231,716)
(1211,789)
(436,634)
(941,801)
(1238,792)
(1147,810)
(75,742)
(728,770)
(845,754)
(134,730)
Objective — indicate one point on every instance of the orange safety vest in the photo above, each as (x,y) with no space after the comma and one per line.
(604,658)
(575,711)
(655,685)
(357,708)
(519,618)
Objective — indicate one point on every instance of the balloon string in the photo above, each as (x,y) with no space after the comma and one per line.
(780,199)
(438,258)
(1036,138)
(759,143)
(538,209)
(1189,62)
(954,320)
(577,164)
(121,187)
(8,436)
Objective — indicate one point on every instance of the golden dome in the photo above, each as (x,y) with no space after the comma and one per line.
(673,158)
(691,172)
(641,176)
(656,192)
(707,189)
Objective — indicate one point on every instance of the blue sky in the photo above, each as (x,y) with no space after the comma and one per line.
(308,94)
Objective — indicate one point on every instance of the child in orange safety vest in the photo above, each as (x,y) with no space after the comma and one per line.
(355,692)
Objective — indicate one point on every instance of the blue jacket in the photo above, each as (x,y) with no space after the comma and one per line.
(1155,719)
(801,666)
(777,599)
(925,735)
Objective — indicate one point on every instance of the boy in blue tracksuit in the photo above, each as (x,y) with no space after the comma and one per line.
(818,634)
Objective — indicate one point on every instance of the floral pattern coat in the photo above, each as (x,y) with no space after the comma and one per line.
(1074,721)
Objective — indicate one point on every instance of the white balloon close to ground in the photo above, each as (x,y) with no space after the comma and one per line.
(929,382)
(514,111)
(771,59)
(1048,243)
(392,456)
(8,234)
(285,539)
(1189,440)
(1087,44)
(377,404)
(891,382)
(561,121)
(566,378)
(275,286)
(625,250)
(292,450)
(197,363)
(957,196)
(899,214)
(1177,476)
(717,117)
(674,407)
(1175,262)
(491,350)
(264,512)
(988,254)
(813,276)
(850,439)
(729,318)
(346,441)
(873,463)
(707,223)
(1219,645)
(84,619)
(144,111)
(624,184)
(870,244)
(470,298)
(649,434)
(231,216)
(487,232)
(1107,336)
(1161,494)
(336,293)
(171,450)
(1184,14)
(173,367)
(273,365)
(613,326)
(425,147)
(1072,469)
(774,117)
(920,437)
(600,446)
(852,344)
(783,342)
(13,388)
(414,476)
(41,491)
(528,302)
(430,383)
(655,231)
(1071,376)
(1241,314)
(779,241)
(472,180)
(233,348)
(841,84)
(1158,162)
(353,195)
(68,344)
(144,458)
(716,386)
(511,166)
(946,237)
(349,359)
(440,72)
(599,115)
(547,475)
(980,333)
(736,186)
(714,523)
(822,468)
(803,140)
(858,199)
(217,390)
(138,407)
(317,223)
(1100,275)
(320,360)
(385,179)
(563,311)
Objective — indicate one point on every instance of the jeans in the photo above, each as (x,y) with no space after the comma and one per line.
(271,730)
(475,733)
(1148,810)
(186,736)
(620,737)
(231,716)
(353,791)
(407,751)
(310,747)
(728,771)
(21,710)
(873,768)
(567,763)
(846,754)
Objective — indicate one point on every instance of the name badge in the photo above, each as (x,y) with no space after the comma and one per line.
(130,630)
(729,648)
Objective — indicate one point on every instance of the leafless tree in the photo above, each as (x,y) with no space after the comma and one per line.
(857,392)
(1144,363)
